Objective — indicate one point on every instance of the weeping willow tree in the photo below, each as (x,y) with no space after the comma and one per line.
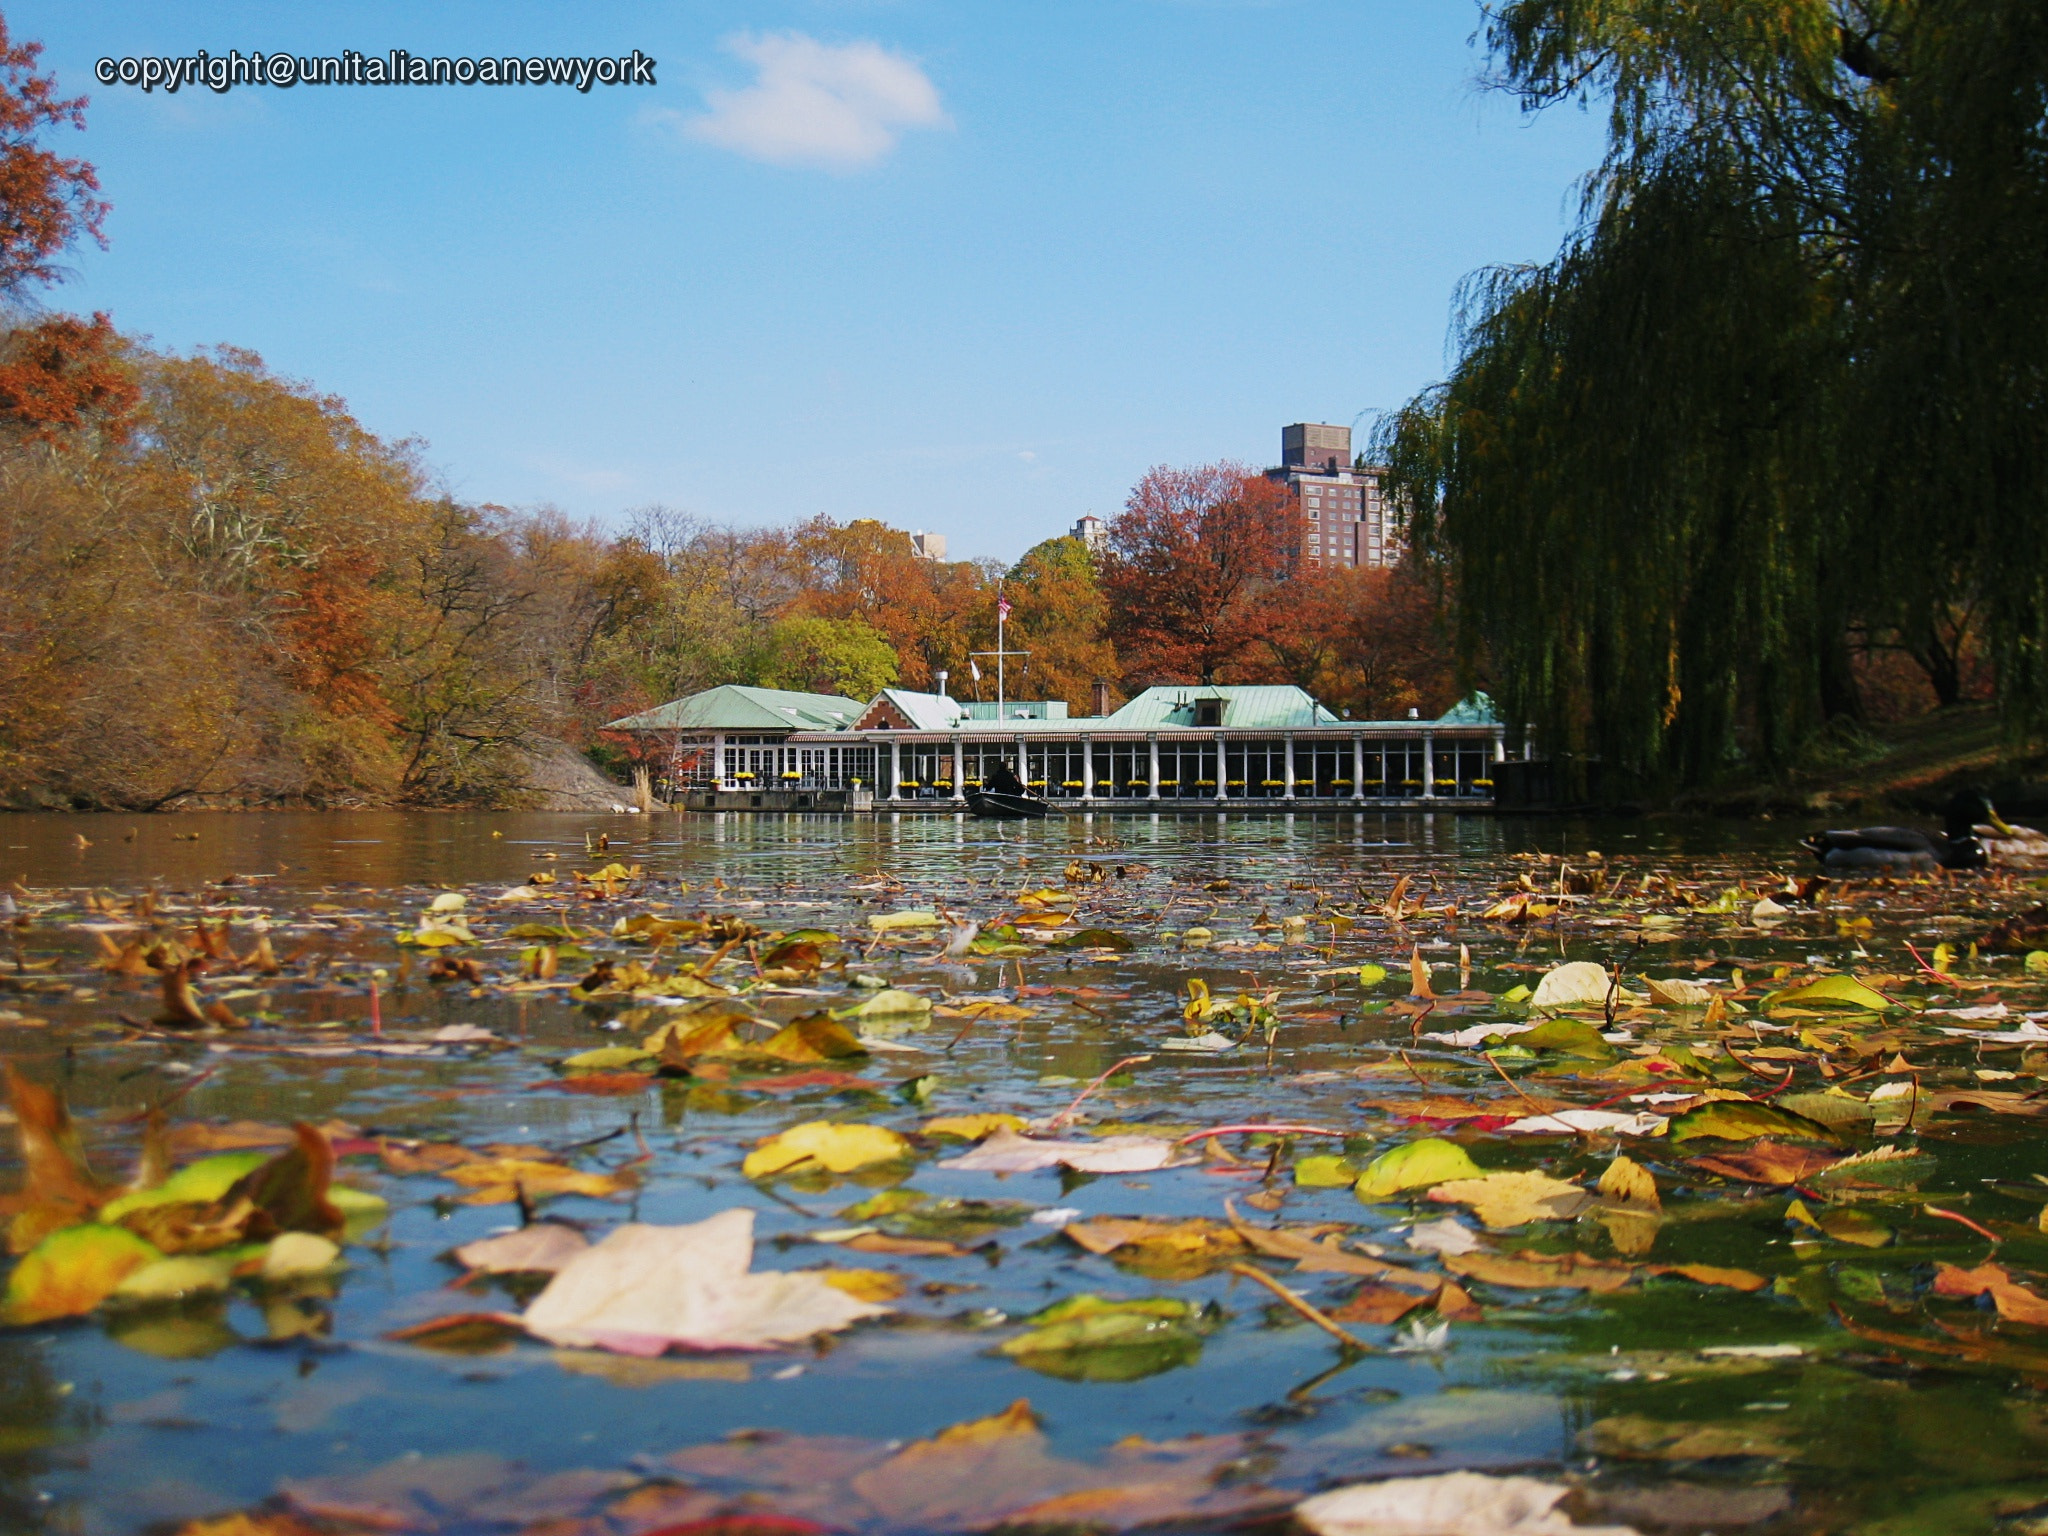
(1784,385)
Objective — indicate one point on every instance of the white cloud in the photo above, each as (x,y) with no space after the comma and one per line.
(816,104)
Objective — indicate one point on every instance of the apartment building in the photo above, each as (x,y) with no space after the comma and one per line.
(1345,521)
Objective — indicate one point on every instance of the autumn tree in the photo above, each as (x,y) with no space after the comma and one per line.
(866,570)
(48,201)
(1190,572)
(1059,614)
(848,657)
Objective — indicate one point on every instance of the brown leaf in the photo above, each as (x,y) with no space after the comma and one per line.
(1768,1162)
(1377,1304)
(1455,1304)
(970,1474)
(1418,972)
(1532,1271)
(1322,1256)
(906,1247)
(2014,1301)
(1712,1274)
(58,1187)
(181,1003)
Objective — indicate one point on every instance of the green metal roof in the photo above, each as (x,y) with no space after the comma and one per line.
(1473,709)
(735,707)
(1244,708)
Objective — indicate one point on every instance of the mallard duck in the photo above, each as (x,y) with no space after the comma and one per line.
(2007,846)
(1909,848)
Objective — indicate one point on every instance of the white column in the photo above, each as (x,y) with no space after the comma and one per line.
(1500,743)
(959,773)
(1222,770)
(895,769)
(1528,745)
(1087,768)
(1429,765)
(718,760)
(1288,792)
(1358,767)
(1152,752)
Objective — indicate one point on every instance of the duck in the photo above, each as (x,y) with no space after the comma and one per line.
(1910,849)
(2009,847)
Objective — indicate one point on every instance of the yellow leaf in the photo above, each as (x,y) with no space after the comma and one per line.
(888,922)
(814,1037)
(1417,1165)
(1628,1184)
(971,1127)
(1844,991)
(836,1147)
(72,1271)
(498,1181)
(864,1284)
(1504,1200)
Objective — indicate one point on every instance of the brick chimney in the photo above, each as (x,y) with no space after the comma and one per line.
(1102,696)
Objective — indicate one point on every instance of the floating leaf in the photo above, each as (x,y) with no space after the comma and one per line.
(814,1037)
(836,1147)
(1094,938)
(540,1248)
(1325,1171)
(1008,1152)
(1679,992)
(1838,991)
(1416,1165)
(2013,1300)
(892,922)
(1628,1185)
(1745,1120)
(1452,1504)
(1578,984)
(971,1127)
(293,1255)
(71,1272)
(646,1288)
(1571,1037)
(1090,1338)
(890,1003)
(606,1058)
(1545,1271)
(175,1279)
(1503,1200)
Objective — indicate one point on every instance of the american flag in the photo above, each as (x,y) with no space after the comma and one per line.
(1002,607)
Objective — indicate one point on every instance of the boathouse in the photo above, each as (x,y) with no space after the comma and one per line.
(738,748)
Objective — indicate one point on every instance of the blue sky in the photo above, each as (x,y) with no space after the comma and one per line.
(969,266)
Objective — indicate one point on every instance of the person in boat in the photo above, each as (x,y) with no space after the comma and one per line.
(1002,780)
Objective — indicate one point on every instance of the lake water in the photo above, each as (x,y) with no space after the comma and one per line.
(141,1419)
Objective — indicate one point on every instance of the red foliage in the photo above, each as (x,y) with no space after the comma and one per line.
(56,374)
(1190,572)
(46,200)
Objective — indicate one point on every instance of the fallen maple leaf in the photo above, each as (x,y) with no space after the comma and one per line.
(2014,1301)
(647,1288)
(1511,1199)
(1007,1152)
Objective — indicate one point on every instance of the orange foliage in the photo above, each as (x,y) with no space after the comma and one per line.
(47,199)
(1190,572)
(61,372)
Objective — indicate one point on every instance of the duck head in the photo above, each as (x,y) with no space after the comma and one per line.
(1971,808)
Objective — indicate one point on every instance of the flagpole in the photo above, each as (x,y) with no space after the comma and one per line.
(1002,615)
